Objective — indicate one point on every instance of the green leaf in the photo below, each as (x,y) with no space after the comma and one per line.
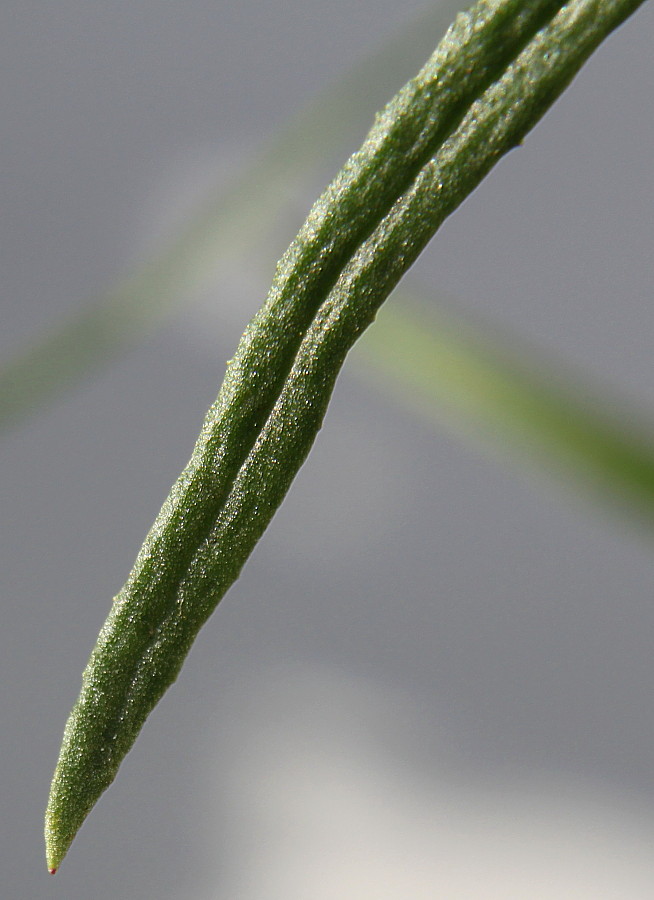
(492,77)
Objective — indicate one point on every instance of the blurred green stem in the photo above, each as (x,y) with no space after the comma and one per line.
(477,382)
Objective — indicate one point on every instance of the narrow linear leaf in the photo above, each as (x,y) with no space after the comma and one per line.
(228,226)
(458,375)
(497,70)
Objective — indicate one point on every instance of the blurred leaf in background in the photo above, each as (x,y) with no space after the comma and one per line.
(231,226)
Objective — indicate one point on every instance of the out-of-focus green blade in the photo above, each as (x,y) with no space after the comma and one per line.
(228,226)
(457,375)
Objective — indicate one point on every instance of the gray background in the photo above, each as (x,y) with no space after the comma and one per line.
(434,677)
